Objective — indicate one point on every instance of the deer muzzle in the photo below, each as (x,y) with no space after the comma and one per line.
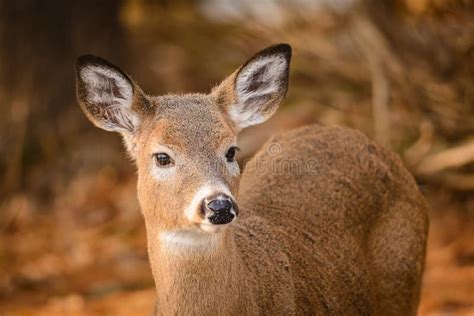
(219,209)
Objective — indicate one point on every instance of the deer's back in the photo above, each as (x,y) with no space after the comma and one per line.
(310,200)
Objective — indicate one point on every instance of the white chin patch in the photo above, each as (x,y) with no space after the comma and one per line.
(185,240)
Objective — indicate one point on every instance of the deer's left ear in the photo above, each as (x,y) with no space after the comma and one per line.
(253,93)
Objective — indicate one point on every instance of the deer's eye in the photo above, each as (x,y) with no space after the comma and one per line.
(230,155)
(163,160)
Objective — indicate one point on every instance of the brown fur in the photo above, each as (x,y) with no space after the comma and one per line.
(330,223)
(352,239)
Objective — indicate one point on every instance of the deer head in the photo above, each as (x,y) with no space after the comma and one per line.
(184,145)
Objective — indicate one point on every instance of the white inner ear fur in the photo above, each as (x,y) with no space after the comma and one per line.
(113,93)
(244,114)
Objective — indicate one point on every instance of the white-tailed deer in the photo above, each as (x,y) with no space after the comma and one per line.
(328,221)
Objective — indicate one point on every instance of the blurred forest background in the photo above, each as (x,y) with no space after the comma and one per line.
(72,237)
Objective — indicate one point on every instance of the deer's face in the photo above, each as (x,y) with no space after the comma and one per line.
(188,174)
(184,146)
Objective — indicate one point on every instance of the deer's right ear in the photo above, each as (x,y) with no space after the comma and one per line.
(106,95)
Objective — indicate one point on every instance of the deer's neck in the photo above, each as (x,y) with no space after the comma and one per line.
(198,273)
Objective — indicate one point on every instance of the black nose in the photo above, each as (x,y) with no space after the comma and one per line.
(219,210)
(219,205)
